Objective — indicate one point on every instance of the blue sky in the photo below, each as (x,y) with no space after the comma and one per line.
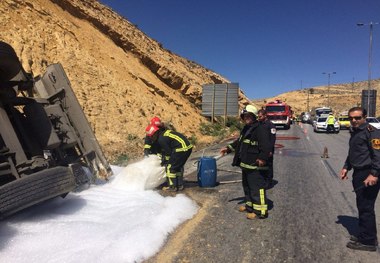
(267,46)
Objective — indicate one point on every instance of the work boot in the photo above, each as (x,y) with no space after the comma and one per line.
(356,239)
(252,216)
(170,188)
(242,208)
(255,216)
(179,183)
(359,246)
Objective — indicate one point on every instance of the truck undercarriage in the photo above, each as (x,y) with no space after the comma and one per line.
(47,147)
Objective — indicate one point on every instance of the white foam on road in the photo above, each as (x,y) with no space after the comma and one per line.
(116,222)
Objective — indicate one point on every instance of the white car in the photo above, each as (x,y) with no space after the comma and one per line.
(374,122)
(320,125)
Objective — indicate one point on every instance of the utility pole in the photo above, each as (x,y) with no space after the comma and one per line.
(370,24)
(328,86)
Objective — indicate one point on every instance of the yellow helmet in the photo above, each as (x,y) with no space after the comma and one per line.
(252,109)
(249,109)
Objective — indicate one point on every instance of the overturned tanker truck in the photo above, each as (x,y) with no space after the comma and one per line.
(47,147)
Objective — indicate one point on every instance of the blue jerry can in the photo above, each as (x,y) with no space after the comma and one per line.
(207,172)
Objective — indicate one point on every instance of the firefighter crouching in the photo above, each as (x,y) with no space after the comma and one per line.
(151,147)
(177,148)
(252,150)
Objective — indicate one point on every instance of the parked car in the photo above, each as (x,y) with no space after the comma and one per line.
(344,122)
(320,125)
(306,117)
(374,122)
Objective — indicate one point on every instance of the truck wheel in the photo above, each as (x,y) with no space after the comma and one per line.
(10,65)
(35,188)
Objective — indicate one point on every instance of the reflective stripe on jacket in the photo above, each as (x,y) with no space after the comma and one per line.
(255,145)
(172,142)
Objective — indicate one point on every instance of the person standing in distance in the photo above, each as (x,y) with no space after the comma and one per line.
(364,158)
(330,123)
(271,128)
(251,154)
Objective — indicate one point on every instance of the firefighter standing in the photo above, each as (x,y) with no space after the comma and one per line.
(364,158)
(330,123)
(178,149)
(252,150)
(271,128)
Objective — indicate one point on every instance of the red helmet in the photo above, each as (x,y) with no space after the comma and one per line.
(151,130)
(156,121)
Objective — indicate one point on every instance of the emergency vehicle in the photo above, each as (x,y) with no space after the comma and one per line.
(279,113)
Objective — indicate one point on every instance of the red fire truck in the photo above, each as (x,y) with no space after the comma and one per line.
(279,113)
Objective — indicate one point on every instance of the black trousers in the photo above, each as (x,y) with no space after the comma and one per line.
(174,168)
(254,183)
(330,128)
(365,202)
(177,161)
(270,169)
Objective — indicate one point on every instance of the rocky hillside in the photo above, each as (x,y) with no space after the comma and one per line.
(121,77)
(341,96)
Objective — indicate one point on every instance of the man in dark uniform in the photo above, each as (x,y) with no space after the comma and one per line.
(364,158)
(178,149)
(251,154)
(271,128)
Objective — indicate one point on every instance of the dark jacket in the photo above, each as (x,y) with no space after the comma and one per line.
(252,144)
(235,145)
(172,142)
(364,149)
(271,128)
(151,147)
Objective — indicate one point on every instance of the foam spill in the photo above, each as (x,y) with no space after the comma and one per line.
(143,175)
(113,222)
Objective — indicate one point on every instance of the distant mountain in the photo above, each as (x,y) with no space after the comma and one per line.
(121,77)
(341,96)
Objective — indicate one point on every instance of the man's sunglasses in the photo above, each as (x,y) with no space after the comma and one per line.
(356,118)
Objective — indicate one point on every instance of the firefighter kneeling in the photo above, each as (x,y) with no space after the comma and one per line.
(252,150)
(177,148)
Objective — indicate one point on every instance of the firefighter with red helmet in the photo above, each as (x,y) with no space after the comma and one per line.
(151,147)
(178,149)
(252,150)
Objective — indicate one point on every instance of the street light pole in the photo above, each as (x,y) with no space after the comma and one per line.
(328,86)
(370,24)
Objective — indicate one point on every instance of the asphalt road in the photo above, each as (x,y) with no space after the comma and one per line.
(312,212)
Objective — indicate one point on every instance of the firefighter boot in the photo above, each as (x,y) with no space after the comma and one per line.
(171,185)
(255,216)
(179,181)
(242,208)
(252,216)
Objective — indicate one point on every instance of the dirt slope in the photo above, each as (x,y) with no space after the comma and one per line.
(122,77)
